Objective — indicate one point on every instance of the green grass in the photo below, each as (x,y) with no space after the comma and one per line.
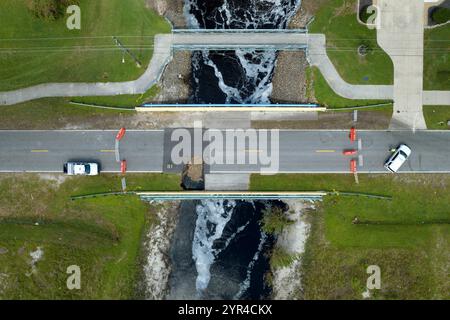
(437,59)
(337,19)
(55,113)
(406,237)
(124,101)
(100,235)
(327,97)
(42,60)
(437,117)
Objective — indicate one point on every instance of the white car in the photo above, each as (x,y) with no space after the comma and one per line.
(398,158)
(81,168)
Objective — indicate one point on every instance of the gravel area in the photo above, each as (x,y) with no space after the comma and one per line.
(289,80)
(175,82)
(171,9)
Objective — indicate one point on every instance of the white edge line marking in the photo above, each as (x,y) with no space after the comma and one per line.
(60,171)
(361,160)
(326,172)
(89,130)
(281,130)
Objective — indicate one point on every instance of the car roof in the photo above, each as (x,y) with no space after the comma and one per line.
(397,162)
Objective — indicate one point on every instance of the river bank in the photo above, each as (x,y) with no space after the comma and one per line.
(175,84)
(289,79)
(172,10)
(287,278)
(156,246)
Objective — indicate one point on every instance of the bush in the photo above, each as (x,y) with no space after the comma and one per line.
(274,220)
(280,258)
(440,15)
(50,9)
(364,14)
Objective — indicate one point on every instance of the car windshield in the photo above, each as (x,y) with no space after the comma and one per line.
(87,168)
(403,154)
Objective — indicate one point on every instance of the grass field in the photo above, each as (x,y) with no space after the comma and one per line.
(437,117)
(34,51)
(124,101)
(408,237)
(57,113)
(327,97)
(53,113)
(101,235)
(437,59)
(337,20)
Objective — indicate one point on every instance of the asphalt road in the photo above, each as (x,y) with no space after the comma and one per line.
(321,151)
(149,151)
(47,151)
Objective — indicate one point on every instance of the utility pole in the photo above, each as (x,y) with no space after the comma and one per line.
(126,51)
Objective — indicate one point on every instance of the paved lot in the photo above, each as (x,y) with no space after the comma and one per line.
(149,151)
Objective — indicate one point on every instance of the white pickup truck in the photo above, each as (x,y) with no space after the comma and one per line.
(81,168)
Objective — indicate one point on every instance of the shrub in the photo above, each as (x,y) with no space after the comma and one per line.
(274,220)
(440,15)
(364,14)
(50,9)
(280,258)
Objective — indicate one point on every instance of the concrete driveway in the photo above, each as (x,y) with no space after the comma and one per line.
(401,35)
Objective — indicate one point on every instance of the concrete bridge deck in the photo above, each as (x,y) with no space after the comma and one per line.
(239,39)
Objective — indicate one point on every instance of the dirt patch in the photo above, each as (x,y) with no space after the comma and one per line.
(192,177)
(347,8)
(375,120)
(171,9)
(57,179)
(175,84)
(305,13)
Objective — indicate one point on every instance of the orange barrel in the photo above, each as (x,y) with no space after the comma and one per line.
(123,166)
(120,134)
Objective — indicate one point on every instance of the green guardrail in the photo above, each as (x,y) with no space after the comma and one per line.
(155,195)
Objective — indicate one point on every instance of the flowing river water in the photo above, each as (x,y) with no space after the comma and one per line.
(218,249)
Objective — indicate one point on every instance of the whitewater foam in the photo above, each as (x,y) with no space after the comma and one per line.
(212,217)
(257,66)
